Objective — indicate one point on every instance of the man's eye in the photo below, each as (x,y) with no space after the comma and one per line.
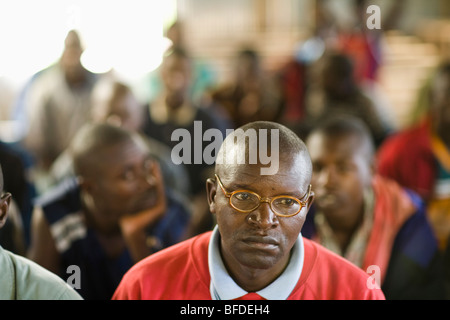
(128,175)
(344,167)
(317,167)
(287,202)
(242,196)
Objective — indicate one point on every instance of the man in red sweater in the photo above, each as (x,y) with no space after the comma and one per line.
(256,251)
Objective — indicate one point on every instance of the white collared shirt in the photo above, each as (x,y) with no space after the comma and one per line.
(223,287)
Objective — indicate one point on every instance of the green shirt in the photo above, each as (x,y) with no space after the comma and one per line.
(23,279)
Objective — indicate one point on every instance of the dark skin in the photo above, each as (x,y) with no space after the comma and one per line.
(120,109)
(342,170)
(176,74)
(256,246)
(120,198)
(70,60)
(124,198)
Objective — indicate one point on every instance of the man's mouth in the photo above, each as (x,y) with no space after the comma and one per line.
(327,200)
(261,242)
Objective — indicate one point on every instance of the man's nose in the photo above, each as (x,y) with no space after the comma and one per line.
(263,217)
(177,81)
(327,177)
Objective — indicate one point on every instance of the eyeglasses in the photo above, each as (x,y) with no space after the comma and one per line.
(246,201)
(133,174)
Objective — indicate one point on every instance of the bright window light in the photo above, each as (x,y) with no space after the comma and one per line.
(124,35)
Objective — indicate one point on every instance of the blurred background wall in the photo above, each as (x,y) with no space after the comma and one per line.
(128,36)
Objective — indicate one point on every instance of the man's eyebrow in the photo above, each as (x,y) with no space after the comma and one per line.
(237,186)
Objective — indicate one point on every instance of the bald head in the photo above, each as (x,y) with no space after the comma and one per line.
(114,102)
(88,146)
(264,144)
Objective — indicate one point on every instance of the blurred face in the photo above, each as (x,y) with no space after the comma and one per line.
(124,111)
(246,69)
(175,34)
(341,173)
(70,59)
(259,239)
(336,82)
(124,184)
(331,84)
(176,77)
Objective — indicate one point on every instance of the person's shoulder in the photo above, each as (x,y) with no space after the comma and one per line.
(37,283)
(46,79)
(327,275)
(67,189)
(328,259)
(172,257)
(61,199)
(172,273)
(417,134)
(395,151)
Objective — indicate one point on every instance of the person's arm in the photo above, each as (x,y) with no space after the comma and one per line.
(415,272)
(133,226)
(42,248)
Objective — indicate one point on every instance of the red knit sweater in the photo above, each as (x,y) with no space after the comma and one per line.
(181,273)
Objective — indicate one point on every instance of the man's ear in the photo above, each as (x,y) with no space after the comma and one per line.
(4,206)
(308,205)
(211,194)
(310,200)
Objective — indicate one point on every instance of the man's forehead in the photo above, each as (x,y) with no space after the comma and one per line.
(348,148)
(120,152)
(344,143)
(292,166)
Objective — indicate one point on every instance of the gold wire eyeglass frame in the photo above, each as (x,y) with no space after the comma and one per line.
(229,195)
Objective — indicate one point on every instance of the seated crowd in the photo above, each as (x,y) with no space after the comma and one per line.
(97,205)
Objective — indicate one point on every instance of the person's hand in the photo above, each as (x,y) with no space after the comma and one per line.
(133,225)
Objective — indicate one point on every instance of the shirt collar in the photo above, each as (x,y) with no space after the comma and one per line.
(356,249)
(223,287)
